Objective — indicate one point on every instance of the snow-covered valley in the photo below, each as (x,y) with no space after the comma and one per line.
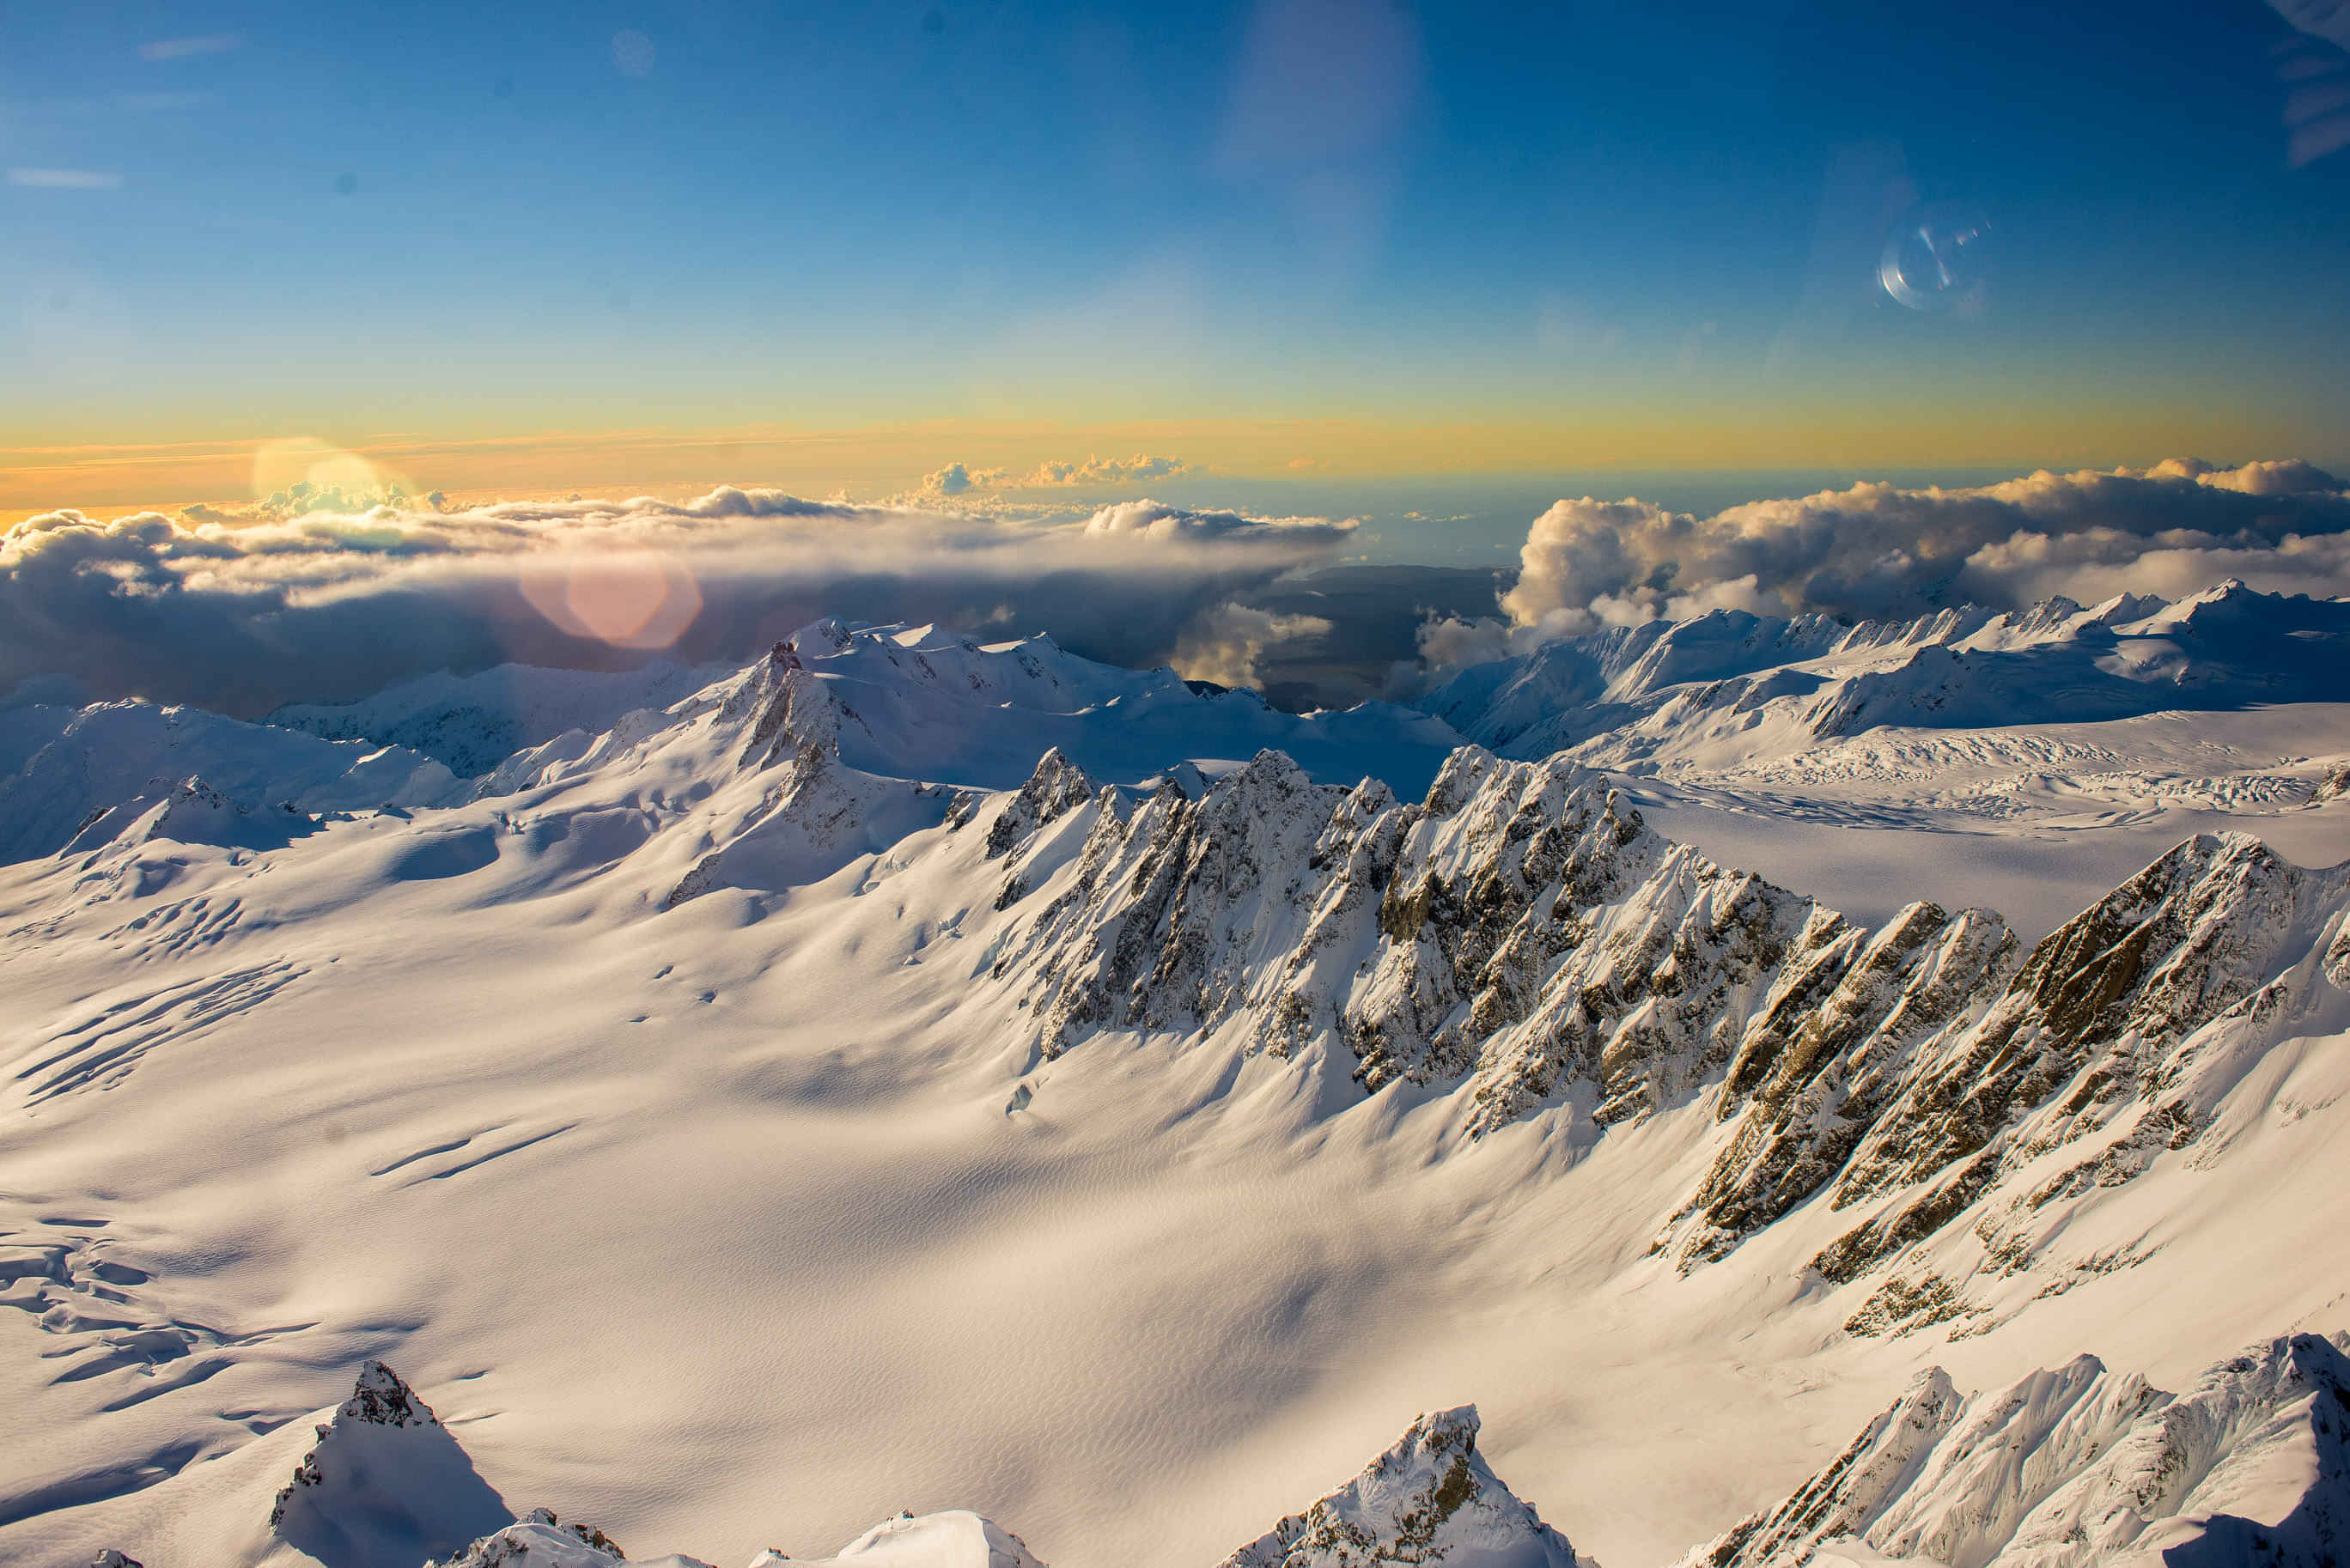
(764,1101)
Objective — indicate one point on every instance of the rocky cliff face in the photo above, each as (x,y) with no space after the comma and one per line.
(1520,929)
(2079,1466)
(1523,939)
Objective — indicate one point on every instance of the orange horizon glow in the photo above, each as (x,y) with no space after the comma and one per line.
(884,462)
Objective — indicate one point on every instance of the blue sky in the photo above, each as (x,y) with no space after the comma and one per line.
(1613,223)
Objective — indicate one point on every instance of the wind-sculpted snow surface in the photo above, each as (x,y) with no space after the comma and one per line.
(2080,1466)
(1431,1499)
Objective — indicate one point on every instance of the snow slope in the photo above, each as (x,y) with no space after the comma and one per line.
(661,1113)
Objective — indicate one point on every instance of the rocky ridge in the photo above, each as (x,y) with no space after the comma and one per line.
(1521,939)
(2079,1465)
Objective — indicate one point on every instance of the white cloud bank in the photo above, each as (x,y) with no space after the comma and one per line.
(243,612)
(1876,551)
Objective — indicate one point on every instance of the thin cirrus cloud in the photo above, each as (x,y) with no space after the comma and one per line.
(184,48)
(1876,551)
(243,613)
(65,178)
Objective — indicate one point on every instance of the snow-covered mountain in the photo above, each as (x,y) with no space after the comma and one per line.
(1731,686)
(60,767)
(772,1112)
(1430,1499)
(471,723)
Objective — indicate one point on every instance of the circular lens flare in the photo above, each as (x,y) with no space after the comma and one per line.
(1937,258)
(636,598)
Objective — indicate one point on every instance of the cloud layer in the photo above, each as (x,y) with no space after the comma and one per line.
(242,613)
(958,479)
(1875,551)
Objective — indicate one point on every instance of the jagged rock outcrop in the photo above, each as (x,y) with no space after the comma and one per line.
(111,1558)
(1520,928)
(1056,786)
(2120,1033)
(1831,1048)
(385,1485)
(1521,934)
(1431,1499)
(2078,1466)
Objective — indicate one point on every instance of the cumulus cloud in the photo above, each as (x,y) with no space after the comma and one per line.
(243,609)
(1138,468)
(1227,644)
(956,479)
(1875,550)
(1878,552)
(1452,642)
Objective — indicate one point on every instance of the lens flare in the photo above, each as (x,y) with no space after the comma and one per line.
(1937,258)
(303,469)
(638,599)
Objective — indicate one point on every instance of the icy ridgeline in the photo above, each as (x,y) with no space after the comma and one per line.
(913,703)
(2078,1466)
(1667,693)
(64,769)
(388,1487)
(1430,1499)
(956,1539)
(2068,1468)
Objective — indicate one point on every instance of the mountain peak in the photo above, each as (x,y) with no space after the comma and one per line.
(1431,1498)
(381,1398)
(385,1485)
(542,1541)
